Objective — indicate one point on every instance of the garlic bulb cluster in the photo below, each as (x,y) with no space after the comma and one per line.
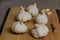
(18,27)
(24,15)
(32,9)
(40,31)
(42,18)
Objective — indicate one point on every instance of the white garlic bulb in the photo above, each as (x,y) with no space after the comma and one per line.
(42,18)
(32,9)
(24,15)
(40,31)
(18,27)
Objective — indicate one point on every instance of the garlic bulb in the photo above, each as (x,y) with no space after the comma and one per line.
(40,31)
(23,15)
(18,27)
(42,18)
(33,9)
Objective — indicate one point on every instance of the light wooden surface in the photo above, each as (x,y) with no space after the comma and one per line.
(8,35)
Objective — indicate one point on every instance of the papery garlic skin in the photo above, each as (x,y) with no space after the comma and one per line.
(32,9)
(42,18)
(23,15)
(18,27)
(40,31)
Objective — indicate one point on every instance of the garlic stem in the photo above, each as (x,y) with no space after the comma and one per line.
(34,4)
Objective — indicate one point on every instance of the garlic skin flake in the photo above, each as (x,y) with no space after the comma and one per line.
(18,27)
(42,18)
(32,9)
(40,31)
(24,15)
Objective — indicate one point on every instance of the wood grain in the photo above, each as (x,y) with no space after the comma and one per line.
(8,35)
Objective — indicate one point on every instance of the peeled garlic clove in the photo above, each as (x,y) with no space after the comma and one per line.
(23,15)
(32,9)
(34,33)
(43,19)
(47,10)
(18,27)
(49,13)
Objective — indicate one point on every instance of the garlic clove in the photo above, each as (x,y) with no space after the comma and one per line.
(49,13)
(17,27)
(24,15)
(43,19)
(47,10)
(32,9)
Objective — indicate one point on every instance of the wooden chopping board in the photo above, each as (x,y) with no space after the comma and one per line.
(8,35)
